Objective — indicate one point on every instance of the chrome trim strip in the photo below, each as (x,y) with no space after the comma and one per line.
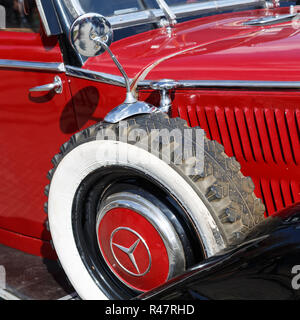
(32,65)
(96,76)
(182,84)
(43,17)
(185,84)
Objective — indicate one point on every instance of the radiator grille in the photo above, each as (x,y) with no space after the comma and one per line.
(264,140)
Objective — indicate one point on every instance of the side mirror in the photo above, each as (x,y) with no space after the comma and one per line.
(91,34)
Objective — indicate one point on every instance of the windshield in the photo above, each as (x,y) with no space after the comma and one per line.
(112,8)
(129,17)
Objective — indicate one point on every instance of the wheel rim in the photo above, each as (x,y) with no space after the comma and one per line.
(138,243)
(97,196)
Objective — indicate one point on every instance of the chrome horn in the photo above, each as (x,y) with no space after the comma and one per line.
(164,86)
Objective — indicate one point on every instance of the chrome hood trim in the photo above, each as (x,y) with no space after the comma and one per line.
(182,84)
(32,65)
(186,84)
(96,76)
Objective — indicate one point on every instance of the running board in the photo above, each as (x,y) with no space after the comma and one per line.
(27,277)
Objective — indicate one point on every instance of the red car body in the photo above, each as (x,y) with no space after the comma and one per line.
(260,127)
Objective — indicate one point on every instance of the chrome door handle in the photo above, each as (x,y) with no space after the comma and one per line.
(56,85)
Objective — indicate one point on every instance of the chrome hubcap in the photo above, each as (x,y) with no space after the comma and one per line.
(138,242)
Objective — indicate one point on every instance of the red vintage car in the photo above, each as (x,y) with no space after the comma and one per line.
(173,129)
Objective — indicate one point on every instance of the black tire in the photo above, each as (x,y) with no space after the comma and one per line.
(227,195)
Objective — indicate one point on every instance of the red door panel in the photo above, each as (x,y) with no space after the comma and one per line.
(32,128)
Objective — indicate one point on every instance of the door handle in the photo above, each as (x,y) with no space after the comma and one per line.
(56,85)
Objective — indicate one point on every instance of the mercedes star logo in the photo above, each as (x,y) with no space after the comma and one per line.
(130,251)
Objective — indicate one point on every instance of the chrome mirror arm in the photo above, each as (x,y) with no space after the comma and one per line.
(131,106)
(129,96)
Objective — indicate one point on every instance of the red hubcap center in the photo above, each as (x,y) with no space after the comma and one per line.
(133,249)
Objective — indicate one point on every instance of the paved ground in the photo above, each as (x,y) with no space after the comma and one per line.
(30,278)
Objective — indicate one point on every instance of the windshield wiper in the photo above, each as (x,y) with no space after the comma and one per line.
(169,14)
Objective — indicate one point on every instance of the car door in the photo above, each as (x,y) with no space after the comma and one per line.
(33,124)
